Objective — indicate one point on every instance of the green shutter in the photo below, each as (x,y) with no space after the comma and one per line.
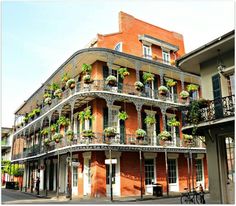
(217,96)
(105,72)
(177,128)
(155,83)
(105,118)
(157,124)
(90,121)
(143,116)
(120,83)
(122,131)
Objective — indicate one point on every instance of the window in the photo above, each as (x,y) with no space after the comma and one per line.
(231,77)
(89,172)
(172,173)
(229,142)
(149,171)
(166,57)
(108,174)
(75,176)
(147,52)
(118,47)
(199,172)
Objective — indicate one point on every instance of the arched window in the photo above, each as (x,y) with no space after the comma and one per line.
(118,47)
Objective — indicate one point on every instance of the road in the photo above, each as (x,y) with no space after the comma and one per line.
(18,197)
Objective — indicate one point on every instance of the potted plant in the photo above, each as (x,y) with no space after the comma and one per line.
(88,133)
(203,103)
(139,86)
(111,80)
(150,119)
(87,79)
(192,87)
(172,62)
(45,131)
(70,84)
(53,87)
(46,95)
(70,135)
(48,101)
(46,142)
(86,68)
(86,114)
(53,128)
(37,111)
(173,122)
(162,90)
(140,133)
(110,132)
(65,77)
(31,115)
(170,83)
(57,137)
(58,93)
(147,77)
(122,115)
(63,121)
(165,136)
(26,119)
(188,139)
(123,72)
(184,95)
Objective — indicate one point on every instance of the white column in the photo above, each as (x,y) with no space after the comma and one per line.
(48,172)
(55,174)
(41,174)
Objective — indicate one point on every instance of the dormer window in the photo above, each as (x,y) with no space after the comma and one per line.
(118,47)
(166,57)
(147,52)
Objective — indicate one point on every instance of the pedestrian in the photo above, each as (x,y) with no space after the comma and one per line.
(37,185)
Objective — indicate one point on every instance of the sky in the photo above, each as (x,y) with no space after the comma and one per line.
(38,36)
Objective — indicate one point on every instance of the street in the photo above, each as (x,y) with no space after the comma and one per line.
(18,197)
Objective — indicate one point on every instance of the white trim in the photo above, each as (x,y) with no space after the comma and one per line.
(175,185)
(151,156)
(203,176)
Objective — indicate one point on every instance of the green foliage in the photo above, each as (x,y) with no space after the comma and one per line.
(165,135)
(70,83)
(58,93)
(147,77)
(54,86)
(111,80)
(53,127)
(139,86)
(46,141)
(31,115)
(63,121)
(57,137)
(192,87)
(36,111)
(86,114)
(150,119)
(170,83)
(88,133)
(45,131)
(110,132)
(26,119)
(173,122)
(12,169)
(123,72)
(86,68)
(123,115)
(65,77)
(140,133)
(184,94)
(70,135)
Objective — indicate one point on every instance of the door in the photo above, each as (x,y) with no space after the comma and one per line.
(74,180)
(150,176)
(217,96)
(114,179)
(173,175)
(199,172)
(87,176)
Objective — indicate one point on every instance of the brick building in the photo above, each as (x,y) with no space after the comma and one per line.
(108,91)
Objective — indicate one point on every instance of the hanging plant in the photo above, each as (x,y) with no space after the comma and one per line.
(173,122)
(192,87)
(139,86)
(48,101)
(147,77)
(110,132)
(46,141)
(58,93)
(53,87)
(53,128)
(165,136)
(63,121)
(86,114)
(87,79)
(65,78)
(70,84)
(187,137)
(70,135)
(163,90)
(46,95)
(172,62)
(26,119)
(184,94)
(37,112)
(45,131)
(150,119)
(170,83)
(122,115)
(31,115)
(88,133)
(203,103)
(123,72)
(140,133)
(111,80)
(57,137)
(86,68)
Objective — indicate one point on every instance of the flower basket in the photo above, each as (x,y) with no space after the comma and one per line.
(63,121)
(110,132)
(147,77)
(203,103)
(150,119)
(53,128)
(86,68)
(45,131)
(192,87)
(139,86)
(170,83)
(188,139)
(31,115)
(165,136)
(173,122)
(48,101)
(26,119)
(122,116)
(184,95)
(57,137)
(123,72)
(86,114)
(162,90)
(58,93)
(37,112)
(46,142)
(70,84)
(88,133)
(140,133)
(70,135)
(111,80)
(87,79)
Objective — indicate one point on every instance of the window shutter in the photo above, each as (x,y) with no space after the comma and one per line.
(120,83)
(155,83)
(143,116)
(168,128)
(90,121)
(122,131)
(157,124)
(105,72)
(177,128)
(105,118)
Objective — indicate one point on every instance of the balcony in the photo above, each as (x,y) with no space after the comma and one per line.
(99,139)
(158,59)
(5,144)
(217,109)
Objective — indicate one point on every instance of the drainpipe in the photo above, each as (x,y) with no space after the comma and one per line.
(141,176)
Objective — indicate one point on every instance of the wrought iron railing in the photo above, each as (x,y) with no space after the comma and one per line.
(100,138)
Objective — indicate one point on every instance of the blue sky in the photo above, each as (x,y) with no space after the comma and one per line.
(38,36)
